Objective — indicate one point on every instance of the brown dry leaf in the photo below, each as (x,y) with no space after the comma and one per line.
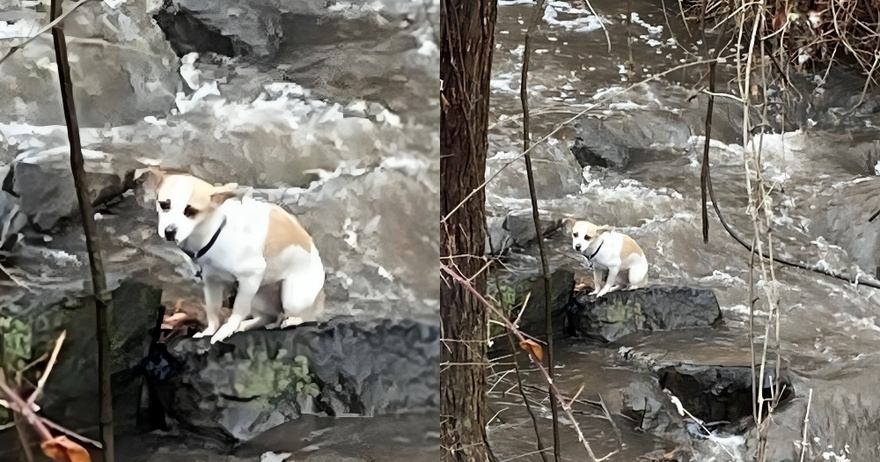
(61,449)
(533,348)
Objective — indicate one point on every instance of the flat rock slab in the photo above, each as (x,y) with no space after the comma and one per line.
(235,390)
(653,308)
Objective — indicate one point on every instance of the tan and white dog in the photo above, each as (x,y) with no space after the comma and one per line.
(239,239)
(609,250)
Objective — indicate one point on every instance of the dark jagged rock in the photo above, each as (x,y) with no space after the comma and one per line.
(654,308)
(717,393)
(186,33)
(533,320)
(235,390)
(71,391)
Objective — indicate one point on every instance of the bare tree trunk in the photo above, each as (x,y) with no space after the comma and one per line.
(467,30)
(101,300)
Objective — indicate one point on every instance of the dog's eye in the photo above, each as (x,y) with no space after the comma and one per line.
(575,235)
(165,205)
(189,211)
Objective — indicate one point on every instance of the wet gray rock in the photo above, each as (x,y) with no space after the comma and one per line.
(256,26)
(556,173)
(234,390)
(43,185)
(520,225)
(596,145)
(122,67)
(654,308)
(517,228)
(612,141)
(653,412)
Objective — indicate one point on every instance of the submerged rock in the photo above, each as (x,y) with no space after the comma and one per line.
(654,308)
(256,380)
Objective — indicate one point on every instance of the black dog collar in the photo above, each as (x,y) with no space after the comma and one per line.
(597,250)
(207,247)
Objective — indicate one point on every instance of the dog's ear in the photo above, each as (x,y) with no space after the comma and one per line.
(149,177)
(602,229)
(568,224)
(227,191)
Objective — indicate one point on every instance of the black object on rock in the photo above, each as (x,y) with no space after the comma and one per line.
(619,313)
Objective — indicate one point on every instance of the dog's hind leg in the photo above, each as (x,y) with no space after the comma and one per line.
(302,301)
(265,308)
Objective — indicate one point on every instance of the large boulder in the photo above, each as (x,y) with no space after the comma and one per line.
(259,379)
(619,313)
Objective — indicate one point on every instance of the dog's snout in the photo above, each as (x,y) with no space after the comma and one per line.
(170,232)
(576,246)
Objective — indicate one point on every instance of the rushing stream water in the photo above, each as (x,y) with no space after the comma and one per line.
(822,182)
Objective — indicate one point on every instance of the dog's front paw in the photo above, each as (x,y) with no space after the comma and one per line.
(594,292)
(222,334)
(206,333)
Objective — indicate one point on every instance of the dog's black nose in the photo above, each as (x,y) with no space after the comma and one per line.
(170,232)
(576,246)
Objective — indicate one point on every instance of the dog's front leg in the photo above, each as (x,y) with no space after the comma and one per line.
(597,281)
(609,281)
(241,308)
(213,303)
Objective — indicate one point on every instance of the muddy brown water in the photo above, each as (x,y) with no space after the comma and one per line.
(822,182)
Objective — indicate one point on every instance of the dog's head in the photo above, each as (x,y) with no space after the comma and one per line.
(182,200)
(583,233)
